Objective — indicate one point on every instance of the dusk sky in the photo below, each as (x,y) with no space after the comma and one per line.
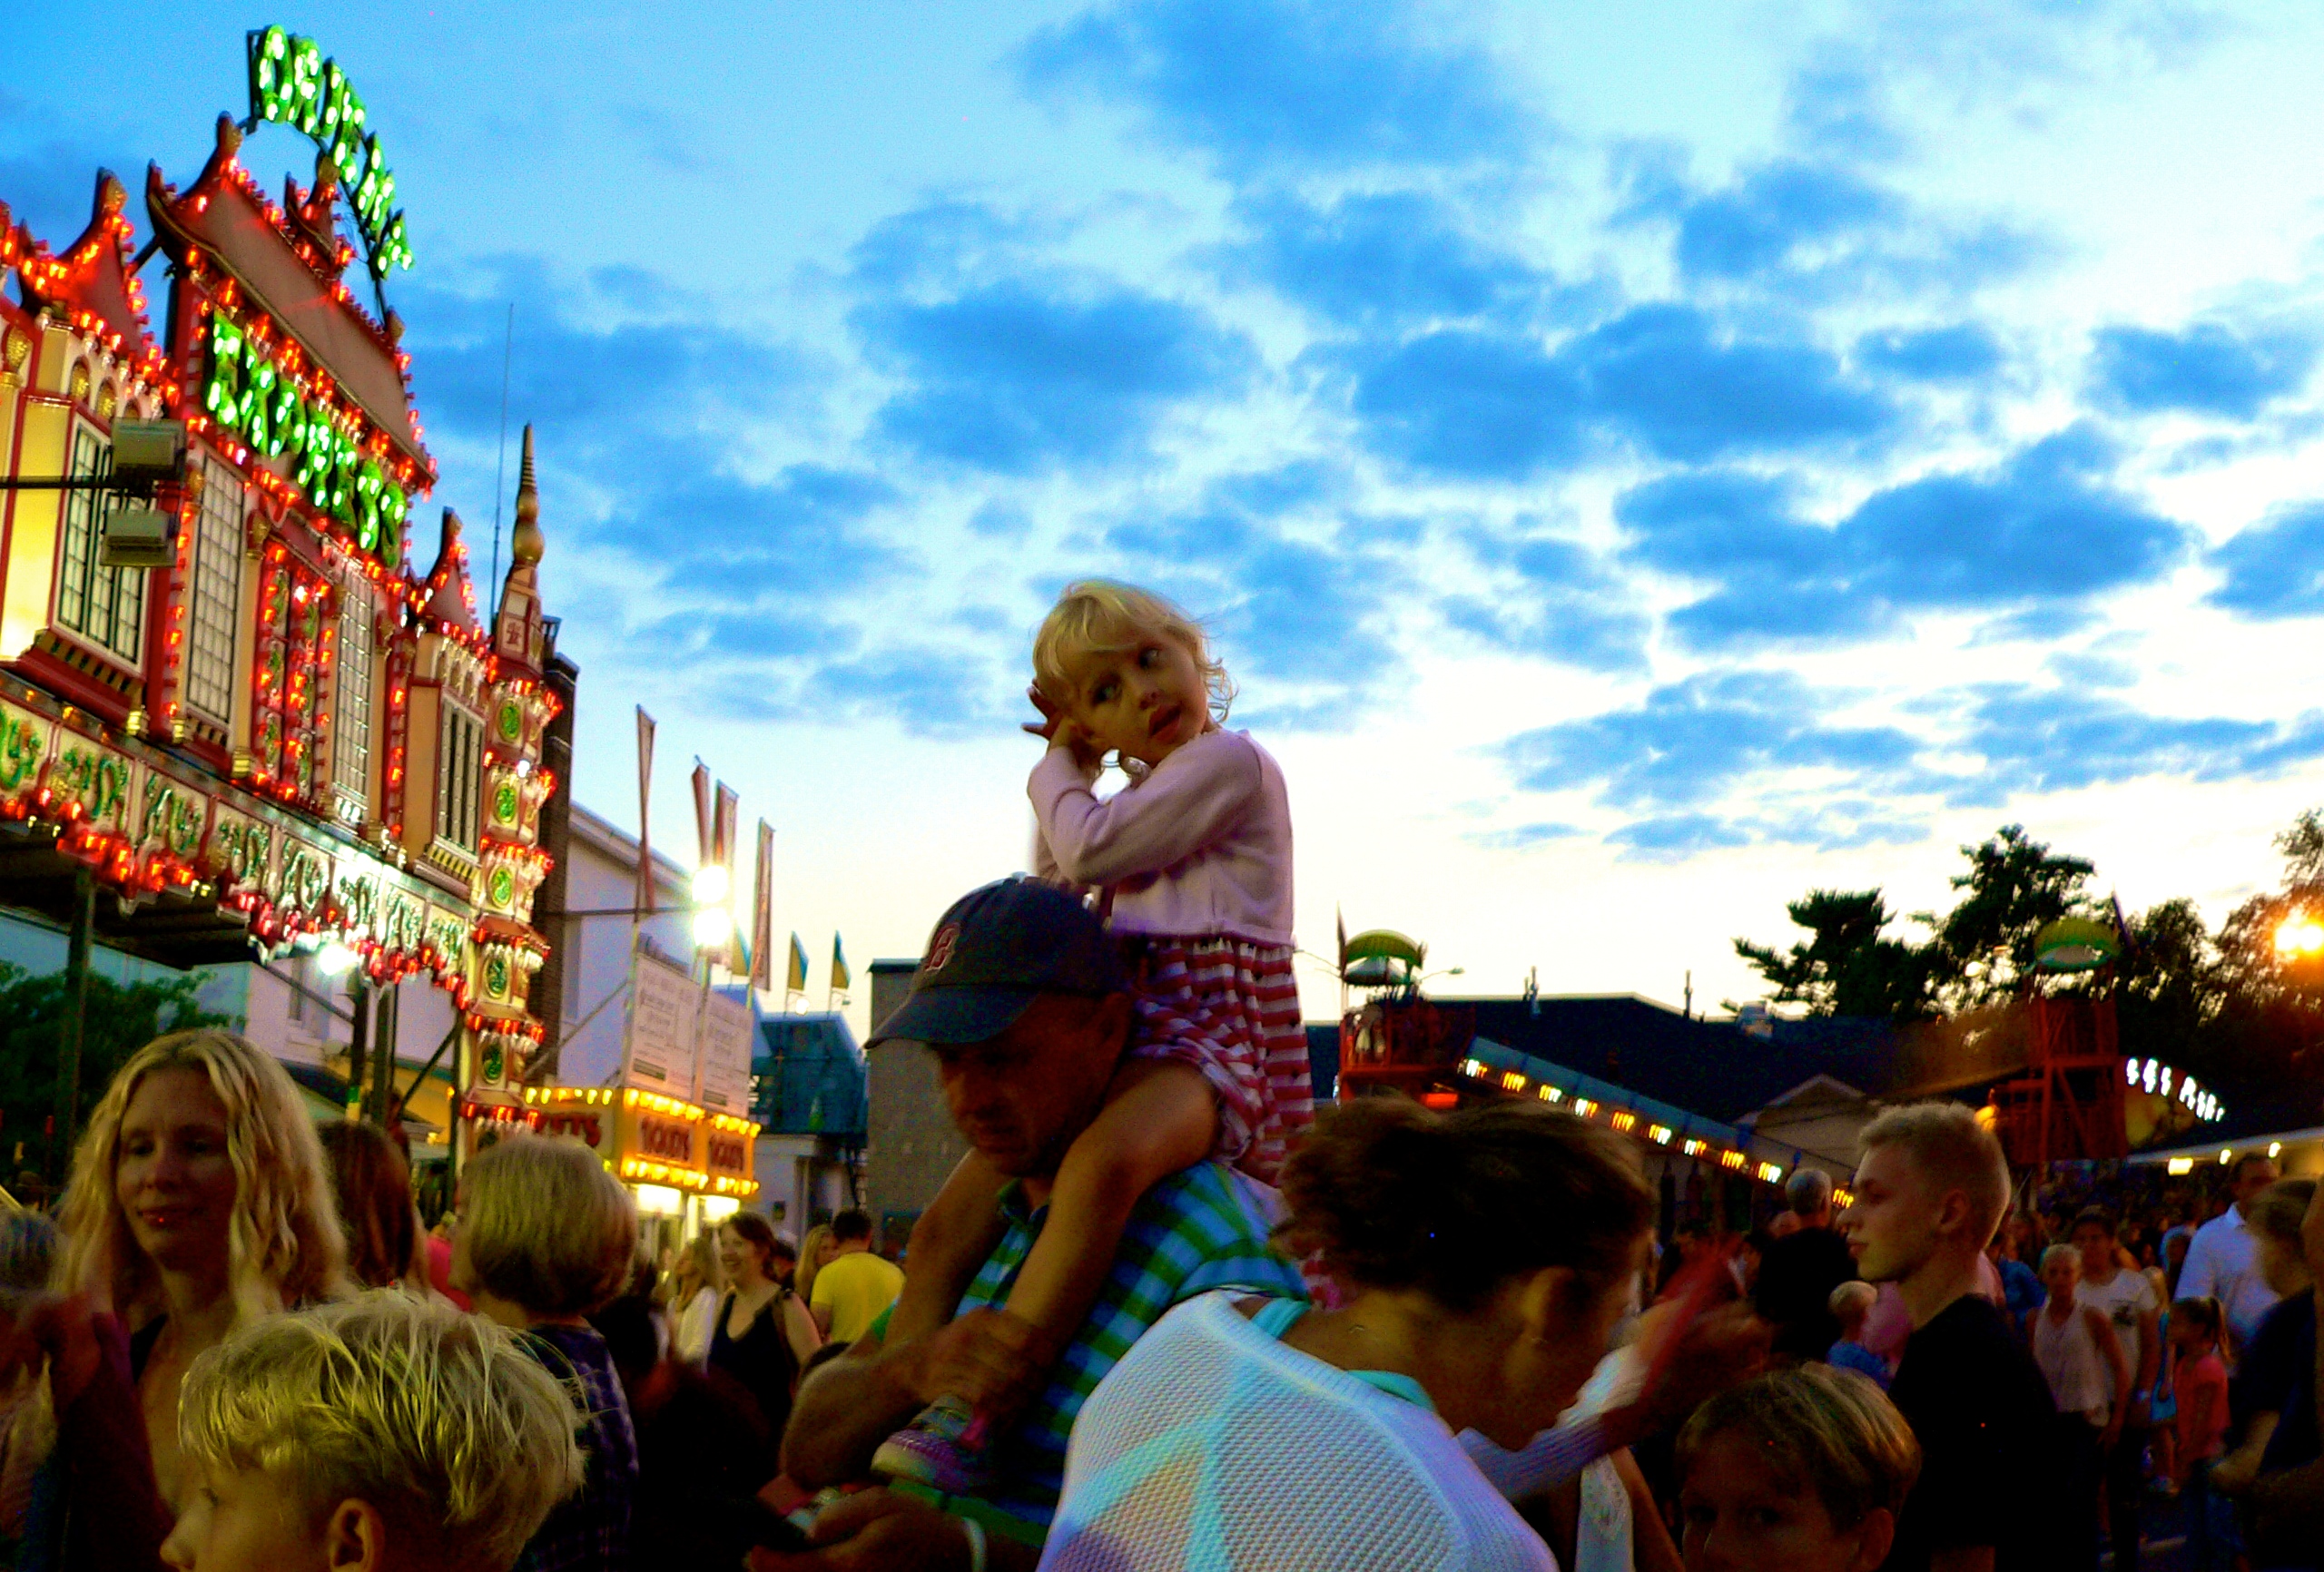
(1639,463)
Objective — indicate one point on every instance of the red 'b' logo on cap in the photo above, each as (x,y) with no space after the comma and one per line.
(940,947)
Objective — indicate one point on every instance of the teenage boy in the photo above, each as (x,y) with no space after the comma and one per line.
(1929,1193)
(2126,1298)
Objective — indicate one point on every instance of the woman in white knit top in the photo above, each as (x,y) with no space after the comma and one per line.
(1487,1255)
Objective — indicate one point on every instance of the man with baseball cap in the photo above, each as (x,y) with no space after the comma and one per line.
(1023,1000)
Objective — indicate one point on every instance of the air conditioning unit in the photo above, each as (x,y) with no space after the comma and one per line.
(137,537)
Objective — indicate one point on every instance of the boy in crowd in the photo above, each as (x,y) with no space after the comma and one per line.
(1851,1305)
(1929,1193)
(1799,1470)
(2126,1298)
(380,1434)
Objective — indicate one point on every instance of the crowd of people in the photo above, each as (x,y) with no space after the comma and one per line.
(1162,1319)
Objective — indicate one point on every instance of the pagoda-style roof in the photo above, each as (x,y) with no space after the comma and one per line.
(285,268)
(449,599)
(93,283)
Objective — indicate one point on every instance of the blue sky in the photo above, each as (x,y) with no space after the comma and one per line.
(1636,466)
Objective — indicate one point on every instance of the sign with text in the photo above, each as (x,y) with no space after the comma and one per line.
(660,1053)
(727,1031)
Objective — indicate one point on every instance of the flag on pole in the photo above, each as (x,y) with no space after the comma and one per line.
(645,901)
(762,913)
(722,851)
(702,812)
(842,978)
(795,980)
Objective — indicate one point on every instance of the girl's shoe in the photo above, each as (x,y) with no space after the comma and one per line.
(943,1450)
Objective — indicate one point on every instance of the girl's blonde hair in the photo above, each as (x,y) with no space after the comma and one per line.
(803,1282)
(284,1247)
(702,1254)
(1102,615)
(547,1228)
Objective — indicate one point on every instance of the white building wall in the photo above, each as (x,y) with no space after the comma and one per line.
(601,874)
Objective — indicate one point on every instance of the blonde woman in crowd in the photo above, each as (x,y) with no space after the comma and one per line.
(197,1205)
(814,1255)
(693,1307)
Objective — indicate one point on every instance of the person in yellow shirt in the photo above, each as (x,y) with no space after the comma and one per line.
(855,1285)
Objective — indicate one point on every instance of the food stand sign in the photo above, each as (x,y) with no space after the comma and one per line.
(660,1053)
(725,1056)
(292,85)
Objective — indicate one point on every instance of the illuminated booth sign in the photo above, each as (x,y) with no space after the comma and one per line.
(642,1137)
(292,85)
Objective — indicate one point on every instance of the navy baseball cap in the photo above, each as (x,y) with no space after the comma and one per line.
(993,953)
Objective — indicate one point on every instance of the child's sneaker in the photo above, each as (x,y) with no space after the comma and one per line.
(943,1450)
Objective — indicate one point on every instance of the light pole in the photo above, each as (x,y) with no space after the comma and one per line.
(335,960)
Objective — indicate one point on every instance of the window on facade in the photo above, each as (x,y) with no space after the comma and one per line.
(104,605)
(216,597)
(458,761)
(352,751)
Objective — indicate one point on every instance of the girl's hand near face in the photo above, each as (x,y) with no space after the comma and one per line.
(1061,731)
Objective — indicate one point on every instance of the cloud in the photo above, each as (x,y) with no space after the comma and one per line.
(1809,231)
(1260,84)
(2275,568)
(1682,390)
(2045,526)
(2206,369)
(1370,258)
(1522,837)
(1485,404)
(1963,352)
(1015,380)
(1688,742)
(1499,406)
(1765,219)
(2063,739)
(1553,598)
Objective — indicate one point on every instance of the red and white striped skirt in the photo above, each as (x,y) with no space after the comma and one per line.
(1230,1009)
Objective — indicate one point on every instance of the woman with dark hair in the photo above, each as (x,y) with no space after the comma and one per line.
(764,1335)
(372,1184)
(1485,1256)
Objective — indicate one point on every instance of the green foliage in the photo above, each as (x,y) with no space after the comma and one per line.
(118,1021)
(2014,889)
(1848,966)
(2223,1007)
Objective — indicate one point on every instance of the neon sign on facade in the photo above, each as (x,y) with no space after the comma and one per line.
(292,85)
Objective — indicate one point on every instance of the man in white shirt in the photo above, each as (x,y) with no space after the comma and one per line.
(2220,1263)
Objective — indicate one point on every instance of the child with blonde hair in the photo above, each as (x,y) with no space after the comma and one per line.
(379,1434)
(1190,864)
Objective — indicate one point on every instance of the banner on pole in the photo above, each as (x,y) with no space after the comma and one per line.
(762,912)
(645,901)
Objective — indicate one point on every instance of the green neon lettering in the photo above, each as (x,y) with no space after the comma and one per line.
(306,84)
(222,396)
(291,82)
